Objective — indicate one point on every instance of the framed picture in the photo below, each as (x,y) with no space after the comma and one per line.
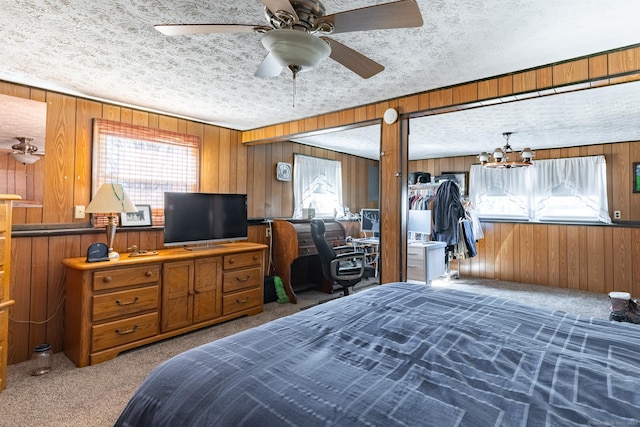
(459,177)
(142,218)
(636,177)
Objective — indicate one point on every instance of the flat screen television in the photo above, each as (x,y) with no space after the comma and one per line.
(201,219)
(370,221)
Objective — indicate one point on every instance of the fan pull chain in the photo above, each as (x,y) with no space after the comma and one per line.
(294,70)
(293,101)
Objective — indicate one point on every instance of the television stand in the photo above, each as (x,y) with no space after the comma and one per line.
(122,304)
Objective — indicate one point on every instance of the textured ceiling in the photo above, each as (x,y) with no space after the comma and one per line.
(109,50)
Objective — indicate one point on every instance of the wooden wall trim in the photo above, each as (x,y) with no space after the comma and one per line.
(603,68)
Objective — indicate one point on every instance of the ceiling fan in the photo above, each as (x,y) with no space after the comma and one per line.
(296,36)
(23,152)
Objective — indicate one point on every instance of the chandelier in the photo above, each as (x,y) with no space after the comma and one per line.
(505,157)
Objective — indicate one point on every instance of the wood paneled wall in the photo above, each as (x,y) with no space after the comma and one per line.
(228,165)
(62,179)
(270,198)
(606,68)
(596,258)
(37,285)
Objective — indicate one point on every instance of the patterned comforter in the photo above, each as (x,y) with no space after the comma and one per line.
(403,355)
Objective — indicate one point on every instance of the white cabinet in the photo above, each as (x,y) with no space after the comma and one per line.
(425,260)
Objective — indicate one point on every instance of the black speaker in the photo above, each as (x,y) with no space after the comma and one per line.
(419,178)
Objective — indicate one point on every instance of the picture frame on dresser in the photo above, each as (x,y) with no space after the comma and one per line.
(142,218)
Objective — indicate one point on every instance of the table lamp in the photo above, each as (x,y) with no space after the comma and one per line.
(111,199)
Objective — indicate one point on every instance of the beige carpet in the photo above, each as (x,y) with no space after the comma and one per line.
(95,395)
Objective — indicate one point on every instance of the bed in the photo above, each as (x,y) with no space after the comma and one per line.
(403,354)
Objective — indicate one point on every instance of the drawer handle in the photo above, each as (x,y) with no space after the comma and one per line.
(107,279)
(242,301)
(255,257)
(127,331)
(242,279)
(120,303)
(232,261)
(307,250)
(148,273)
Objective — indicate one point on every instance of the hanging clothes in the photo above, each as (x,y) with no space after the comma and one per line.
(466,246)
(447,211)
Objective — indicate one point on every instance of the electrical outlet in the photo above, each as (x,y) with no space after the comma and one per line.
(79,212)
(268,232)
(616,214)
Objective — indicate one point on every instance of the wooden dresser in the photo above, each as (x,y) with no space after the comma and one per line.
(121,304)
(5,281)
(295,257)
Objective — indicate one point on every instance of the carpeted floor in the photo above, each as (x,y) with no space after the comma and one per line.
(95,395)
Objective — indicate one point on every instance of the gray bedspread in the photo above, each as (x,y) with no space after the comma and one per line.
(403,355)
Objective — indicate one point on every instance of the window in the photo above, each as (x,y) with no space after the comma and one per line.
(147,162)
(317,184)
(572,189)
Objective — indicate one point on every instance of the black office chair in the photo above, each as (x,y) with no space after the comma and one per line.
(342,268)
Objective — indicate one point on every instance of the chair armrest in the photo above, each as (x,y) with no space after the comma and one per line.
(343,248)
(349,255)
(341,258)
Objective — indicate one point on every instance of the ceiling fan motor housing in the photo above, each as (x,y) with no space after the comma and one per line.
(308,12)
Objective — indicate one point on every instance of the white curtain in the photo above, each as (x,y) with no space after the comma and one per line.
(571,189)
(501,193)
(317,184)
(574,186)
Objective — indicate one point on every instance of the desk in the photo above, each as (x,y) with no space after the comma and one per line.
(371,247)
(295,257)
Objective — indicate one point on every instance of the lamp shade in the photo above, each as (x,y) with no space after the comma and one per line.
(25,159)
(293,48)
(111,198)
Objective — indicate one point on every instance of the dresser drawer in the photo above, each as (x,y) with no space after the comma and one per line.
(242,260)
(305,240)
(415,263)
(242,279)
(120,277)
(241,300)
(123,331)
(307,250)
(124,303)
(416,272)
(415,251)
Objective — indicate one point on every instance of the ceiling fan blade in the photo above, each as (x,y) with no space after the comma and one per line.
(399,14)
(270,67)
(281,5)
(353,60)
(185,29)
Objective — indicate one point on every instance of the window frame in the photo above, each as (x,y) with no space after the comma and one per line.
(150,154)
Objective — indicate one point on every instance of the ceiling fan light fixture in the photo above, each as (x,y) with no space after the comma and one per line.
(25,159)
(298,49)
(23,152)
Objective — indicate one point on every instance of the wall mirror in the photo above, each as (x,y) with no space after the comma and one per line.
(364,142)
(23,125)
